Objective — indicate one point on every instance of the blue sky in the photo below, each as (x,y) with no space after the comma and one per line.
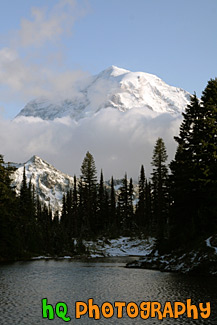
(176,40)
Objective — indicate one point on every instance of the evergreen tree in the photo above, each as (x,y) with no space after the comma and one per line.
(89,190)
(101,213)
(148,206)
(68,221)
(183,190)
(27,212)
(75,214)
(47,226)
(69,207)
(113,222)
(131,205)
(10,225)
(123,203)
(194,169)
(56,235)
(64,223)
(24,194)
(160,189)
(140,211)
(125,209)
(63,220)
(88,171)
(106,226)
(83,213)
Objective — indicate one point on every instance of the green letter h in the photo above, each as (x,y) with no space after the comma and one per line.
(47,310)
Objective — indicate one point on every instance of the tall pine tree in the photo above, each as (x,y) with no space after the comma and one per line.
(160,189)
(194,169)
(89,192)
(140,211)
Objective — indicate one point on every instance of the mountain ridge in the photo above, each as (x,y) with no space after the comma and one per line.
(50,183)
(113,87)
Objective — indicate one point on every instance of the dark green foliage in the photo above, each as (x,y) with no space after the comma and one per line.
(148,207)
(194,170)
(56,234)
(160,190)
(113,224)
(125,208)
(10,230)
(75,224)
(82,210)
(183,190)
(140,210)
(25,226)
(130,202)
(27,215)
(101,221)
(112,203)
(143,207)
(88,171)
(88,193)
(88,210)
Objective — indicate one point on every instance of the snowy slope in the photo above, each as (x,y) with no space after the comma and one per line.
(50,184)
(114,87)
(122,246)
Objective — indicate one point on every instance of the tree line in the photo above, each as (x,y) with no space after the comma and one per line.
(177,205)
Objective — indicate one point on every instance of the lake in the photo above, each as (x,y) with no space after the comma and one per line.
(24,284)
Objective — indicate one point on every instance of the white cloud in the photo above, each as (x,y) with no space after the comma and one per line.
(120,142)
(28,66)
(29,80)
(48,25)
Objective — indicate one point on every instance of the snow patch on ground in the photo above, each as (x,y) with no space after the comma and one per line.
(200,260)
(208,243)
(123,246)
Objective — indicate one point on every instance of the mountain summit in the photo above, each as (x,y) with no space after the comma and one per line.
(50,184)
(116,88)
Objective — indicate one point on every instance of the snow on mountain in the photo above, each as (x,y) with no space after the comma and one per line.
(50,184)
(114,87)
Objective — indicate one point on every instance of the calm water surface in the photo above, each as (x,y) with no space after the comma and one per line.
(24,284)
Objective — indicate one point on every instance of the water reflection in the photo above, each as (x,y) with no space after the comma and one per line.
(23,285)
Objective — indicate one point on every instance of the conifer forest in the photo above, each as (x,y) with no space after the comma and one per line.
(177,205)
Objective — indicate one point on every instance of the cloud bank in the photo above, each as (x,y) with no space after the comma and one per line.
(48,25)
(33,63)
(120,142)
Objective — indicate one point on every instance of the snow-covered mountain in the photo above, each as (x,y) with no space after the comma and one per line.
(114,87)
(50,184)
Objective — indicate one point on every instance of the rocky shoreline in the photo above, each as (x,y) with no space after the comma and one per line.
(201,260)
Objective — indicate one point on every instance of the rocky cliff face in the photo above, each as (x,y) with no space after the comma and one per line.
(50,184)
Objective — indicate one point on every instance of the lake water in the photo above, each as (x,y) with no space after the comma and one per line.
(24,284)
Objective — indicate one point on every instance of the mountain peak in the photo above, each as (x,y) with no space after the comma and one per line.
(116,88)
(34,159)
(50,184)
(113,71)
